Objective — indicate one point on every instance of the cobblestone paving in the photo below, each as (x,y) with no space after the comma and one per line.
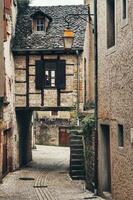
(49,179)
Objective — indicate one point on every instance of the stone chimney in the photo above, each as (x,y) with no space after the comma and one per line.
(91,5)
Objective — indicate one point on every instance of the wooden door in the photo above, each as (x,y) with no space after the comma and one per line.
(63,137)
(5,164)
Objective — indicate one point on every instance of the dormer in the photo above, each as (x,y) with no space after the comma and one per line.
(40,21)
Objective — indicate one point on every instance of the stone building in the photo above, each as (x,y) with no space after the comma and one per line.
(8,145)
(115,110)
(50,78)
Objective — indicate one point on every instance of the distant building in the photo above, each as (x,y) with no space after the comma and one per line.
(115,97)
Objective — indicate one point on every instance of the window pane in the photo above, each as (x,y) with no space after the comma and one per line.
(46,73)
(124,9)
(52,73)
(110,23)
(120,136)
(40,24)
(52,82)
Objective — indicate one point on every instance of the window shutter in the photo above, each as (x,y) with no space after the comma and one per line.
(7,5)
(61,74)
(5,30)
(39,75)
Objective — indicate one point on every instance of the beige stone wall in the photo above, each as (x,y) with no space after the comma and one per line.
(115,97)
(1,51)
(9,117)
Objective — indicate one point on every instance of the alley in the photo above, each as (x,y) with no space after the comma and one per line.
(46,177)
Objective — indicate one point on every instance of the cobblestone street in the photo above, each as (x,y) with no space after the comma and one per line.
(46,177)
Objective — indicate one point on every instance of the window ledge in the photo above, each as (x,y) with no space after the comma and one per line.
(121,151)
(39,32)
(124,23)
(111,50)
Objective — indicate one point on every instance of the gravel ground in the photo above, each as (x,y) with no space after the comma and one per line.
(49,179)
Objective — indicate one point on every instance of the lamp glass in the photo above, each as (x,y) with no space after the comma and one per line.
(68,38)
(68,42)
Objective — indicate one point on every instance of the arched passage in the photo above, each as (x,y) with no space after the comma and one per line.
(25,136)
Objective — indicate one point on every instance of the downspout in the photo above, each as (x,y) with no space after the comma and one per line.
(96,94)
(78,82)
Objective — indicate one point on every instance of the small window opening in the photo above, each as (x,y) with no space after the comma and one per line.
(124,9)
(40,24)
(120,136)
(110,23)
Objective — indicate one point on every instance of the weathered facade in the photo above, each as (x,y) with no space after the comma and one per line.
(47,46)
(49,77)
(115,110)
(8,135)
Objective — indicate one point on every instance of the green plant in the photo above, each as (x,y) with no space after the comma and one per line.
(88,124)
(23,4)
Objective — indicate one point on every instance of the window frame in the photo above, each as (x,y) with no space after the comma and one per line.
(124,21)
(120,134)
(58,66)
(40,23)
(108,34)
(49,70)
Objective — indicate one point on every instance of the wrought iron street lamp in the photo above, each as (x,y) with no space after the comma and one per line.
(68,38)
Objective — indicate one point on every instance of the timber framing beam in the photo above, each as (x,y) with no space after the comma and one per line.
(58,108)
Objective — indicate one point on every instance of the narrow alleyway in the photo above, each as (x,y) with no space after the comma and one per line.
(45,178)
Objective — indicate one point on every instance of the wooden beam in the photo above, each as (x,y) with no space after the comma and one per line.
(27,79)
(58,108)
(20,95)
(20,68)
(42,91)
(20,81)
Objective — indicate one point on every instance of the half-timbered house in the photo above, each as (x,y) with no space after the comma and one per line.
(49,77)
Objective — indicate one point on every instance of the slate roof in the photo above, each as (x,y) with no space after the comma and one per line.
(26,39)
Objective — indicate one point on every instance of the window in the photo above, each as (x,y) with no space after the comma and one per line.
(110,23)
(50,74)
(40,25)
(120,136)
(124,9)
(50,78)
(40,21)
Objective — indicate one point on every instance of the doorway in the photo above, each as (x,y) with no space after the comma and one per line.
(63,137)
(106,167)
(5,154)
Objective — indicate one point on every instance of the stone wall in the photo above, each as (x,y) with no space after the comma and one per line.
(8,125)
(46,134)
(1,51)
(115,98)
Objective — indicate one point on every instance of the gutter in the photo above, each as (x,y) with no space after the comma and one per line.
(47,51)
(96,94)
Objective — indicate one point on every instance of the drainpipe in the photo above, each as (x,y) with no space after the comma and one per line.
(96,94)
(78,82)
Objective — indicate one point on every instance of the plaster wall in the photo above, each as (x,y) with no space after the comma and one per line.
(115,85)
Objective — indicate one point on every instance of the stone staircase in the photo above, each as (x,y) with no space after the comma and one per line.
(77,163)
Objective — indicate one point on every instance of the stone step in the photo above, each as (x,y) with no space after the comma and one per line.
(77,156)
(77,151)
(76,137)
(77,172)
(78,142)
(79,177)
(78,166)
(76,146)
(76,162)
